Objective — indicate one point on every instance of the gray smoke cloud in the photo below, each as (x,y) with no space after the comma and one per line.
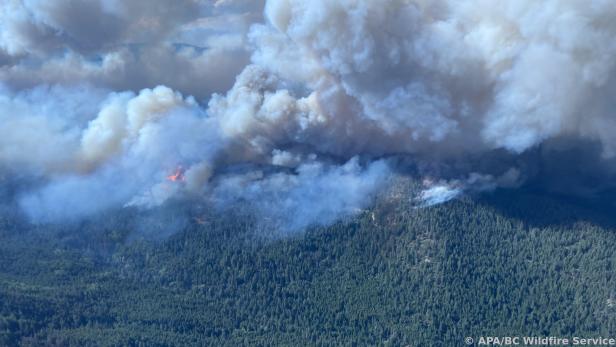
(300,110)
(196,47)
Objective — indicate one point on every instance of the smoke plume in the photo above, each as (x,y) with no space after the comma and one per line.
(300,110)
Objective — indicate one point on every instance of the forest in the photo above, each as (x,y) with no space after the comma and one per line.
(497,264)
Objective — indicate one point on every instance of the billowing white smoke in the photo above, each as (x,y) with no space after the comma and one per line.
(470,75)
(195,46)
(317,194)
(331,87)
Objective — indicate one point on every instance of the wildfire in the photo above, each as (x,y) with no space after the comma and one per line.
(178,175)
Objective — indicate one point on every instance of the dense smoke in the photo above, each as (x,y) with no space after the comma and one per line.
(303,109)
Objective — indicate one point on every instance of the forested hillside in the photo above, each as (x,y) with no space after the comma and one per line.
(500,264)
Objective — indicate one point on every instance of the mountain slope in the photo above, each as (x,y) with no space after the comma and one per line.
(502,264)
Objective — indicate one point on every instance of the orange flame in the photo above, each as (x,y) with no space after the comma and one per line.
(178,175)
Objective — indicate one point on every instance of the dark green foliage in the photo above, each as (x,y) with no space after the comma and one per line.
(505,264)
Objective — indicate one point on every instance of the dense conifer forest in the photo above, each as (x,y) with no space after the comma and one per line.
(504,263)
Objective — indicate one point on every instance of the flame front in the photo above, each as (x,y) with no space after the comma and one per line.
(178,175)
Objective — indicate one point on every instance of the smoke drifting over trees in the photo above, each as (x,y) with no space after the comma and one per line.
(303,109)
